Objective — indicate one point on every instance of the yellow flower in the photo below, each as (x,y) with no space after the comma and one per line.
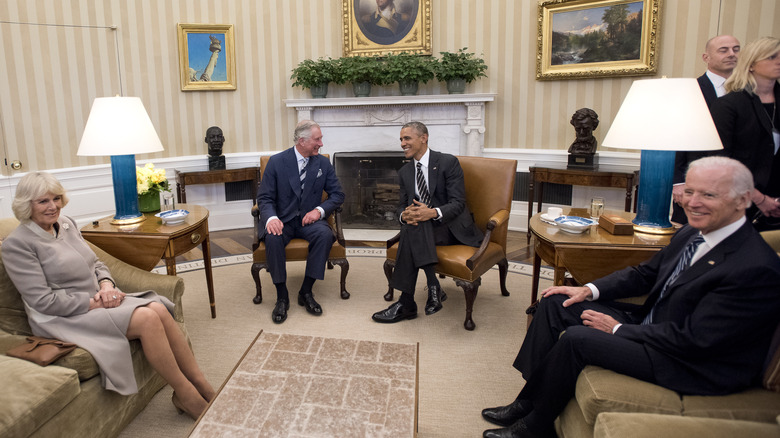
(150,179)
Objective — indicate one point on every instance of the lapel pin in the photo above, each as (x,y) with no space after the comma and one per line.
(711,262)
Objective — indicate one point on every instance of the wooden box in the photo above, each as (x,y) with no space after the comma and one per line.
(616,224)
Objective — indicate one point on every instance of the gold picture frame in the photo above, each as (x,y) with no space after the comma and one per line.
(597,38)
(201,66)
(406,29)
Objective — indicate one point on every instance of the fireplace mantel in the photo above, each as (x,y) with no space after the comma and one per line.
(456,122)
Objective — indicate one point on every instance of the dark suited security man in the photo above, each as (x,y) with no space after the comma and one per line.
(291,205)
(720,55)
(705,329)
(433,211)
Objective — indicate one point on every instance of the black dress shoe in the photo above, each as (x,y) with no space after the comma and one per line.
(435,296)
(280,311)
(311,306)
(517,430)
(509,414)
(396,312)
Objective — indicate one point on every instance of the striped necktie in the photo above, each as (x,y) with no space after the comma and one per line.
(303,172)
(683,263)
(422,187)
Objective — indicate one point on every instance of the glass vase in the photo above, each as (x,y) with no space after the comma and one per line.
(149,201)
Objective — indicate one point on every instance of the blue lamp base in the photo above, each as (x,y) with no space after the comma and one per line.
(656,173)
(125,190)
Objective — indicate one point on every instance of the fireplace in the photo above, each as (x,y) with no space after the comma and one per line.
(371,188)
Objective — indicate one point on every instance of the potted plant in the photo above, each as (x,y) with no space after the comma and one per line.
(315,75)
(408,70)
(150,182)
(458,69)
(362,72)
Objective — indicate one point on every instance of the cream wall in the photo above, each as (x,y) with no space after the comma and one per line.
(52,71)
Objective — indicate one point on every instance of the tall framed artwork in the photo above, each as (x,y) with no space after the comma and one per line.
(375,27)
(207,58)
(597,38)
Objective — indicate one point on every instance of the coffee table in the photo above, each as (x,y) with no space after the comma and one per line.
(310,386)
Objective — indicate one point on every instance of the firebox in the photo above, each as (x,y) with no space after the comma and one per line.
(371,188)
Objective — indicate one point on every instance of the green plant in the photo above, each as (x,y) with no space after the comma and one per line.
(406,66)
(310,73)
(460,65)
(358,69)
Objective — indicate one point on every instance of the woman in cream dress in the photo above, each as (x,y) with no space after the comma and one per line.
(69,295)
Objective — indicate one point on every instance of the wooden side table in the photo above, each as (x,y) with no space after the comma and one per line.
(216,177)
(590,255)
(601,177)
(143,244)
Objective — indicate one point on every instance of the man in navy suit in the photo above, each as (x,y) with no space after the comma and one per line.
(291,206)
(720,54)
(705,328)
(433,211)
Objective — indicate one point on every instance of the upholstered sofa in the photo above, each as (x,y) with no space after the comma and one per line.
(608,404)
(66,399)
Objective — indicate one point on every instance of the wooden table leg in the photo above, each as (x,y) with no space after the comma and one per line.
(209,279)
(170,265)
(530,205)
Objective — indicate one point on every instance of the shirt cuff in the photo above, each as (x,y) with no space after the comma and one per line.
(270,219)
(615,328)
(593,290)
(438,211)
(322,212)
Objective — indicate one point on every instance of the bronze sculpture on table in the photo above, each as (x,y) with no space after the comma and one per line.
(582,153)
(215,140)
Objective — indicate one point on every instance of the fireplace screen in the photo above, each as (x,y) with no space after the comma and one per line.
(370,183)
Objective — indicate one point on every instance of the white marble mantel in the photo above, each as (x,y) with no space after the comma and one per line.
(456,122)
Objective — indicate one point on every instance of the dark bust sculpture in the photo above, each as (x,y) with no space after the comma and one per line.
(584,120)
(215,140)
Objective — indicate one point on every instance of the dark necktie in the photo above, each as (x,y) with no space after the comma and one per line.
(303,172)
(683,263)
(425,195)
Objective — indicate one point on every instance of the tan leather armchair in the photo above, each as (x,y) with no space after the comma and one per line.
(298,249)
(489,186)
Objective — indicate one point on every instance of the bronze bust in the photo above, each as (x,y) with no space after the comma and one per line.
(215,140)
(584,120)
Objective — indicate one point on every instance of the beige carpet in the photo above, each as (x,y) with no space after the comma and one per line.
(461,372)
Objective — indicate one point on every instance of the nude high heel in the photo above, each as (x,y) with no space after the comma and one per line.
(179,408)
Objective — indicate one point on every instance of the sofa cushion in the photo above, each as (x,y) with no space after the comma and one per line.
(599,390)
(756,404)
(32,394)
(13,318)
(78,360)
(771,380)
(619,425)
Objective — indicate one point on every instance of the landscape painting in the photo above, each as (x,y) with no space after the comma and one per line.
(580,38)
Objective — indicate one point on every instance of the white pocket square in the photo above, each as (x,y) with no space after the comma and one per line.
(319,173)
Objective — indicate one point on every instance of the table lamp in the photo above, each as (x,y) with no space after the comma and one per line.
(659,117)
(120,127)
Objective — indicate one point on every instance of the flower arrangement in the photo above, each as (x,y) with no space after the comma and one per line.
(151,180)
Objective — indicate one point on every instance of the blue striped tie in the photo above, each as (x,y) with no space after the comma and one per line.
(303,172)
(690,249)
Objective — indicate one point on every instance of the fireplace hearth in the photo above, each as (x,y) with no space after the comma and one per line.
(371,188)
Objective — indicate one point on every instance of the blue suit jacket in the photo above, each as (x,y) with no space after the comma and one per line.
(713,326)
(280,188)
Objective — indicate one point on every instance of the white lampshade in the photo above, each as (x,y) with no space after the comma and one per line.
(118,126)
(663,115)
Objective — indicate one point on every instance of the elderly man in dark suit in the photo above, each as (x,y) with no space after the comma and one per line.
(433,211)
(291,206)
(720,55)
(705,328)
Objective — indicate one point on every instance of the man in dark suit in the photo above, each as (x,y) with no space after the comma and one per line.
(720,54)
(705,328)
(432,210)
(291,205)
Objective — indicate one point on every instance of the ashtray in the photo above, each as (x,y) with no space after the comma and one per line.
(574,224)
(171,217)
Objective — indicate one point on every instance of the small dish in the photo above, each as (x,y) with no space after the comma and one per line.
(548,218)
(172,217)
(574,224)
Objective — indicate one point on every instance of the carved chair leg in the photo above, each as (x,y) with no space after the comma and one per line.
(503,269)
(388,266)
(470,288)
(256,267)
(344,264)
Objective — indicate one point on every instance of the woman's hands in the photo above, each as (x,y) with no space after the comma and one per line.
(107,297)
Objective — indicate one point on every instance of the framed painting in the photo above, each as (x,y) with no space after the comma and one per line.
(597,38)
(207,57)
(376,27)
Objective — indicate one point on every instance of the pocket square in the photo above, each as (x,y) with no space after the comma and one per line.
(319,173)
